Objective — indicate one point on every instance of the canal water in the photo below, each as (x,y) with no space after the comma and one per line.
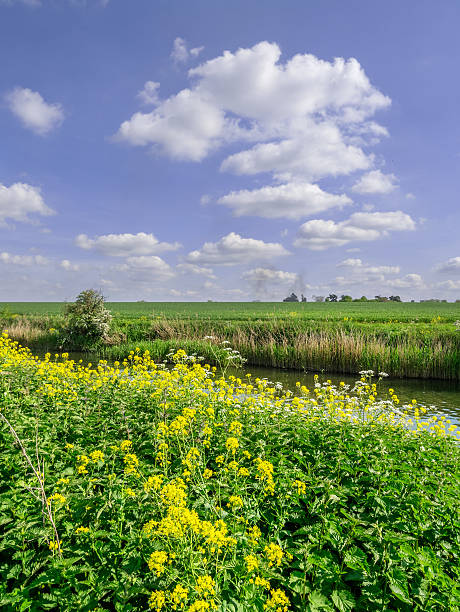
(441,397)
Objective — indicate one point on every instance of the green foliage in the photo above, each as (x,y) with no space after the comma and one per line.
(87,320)
(373,525)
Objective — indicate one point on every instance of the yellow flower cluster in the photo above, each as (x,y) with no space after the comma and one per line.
(277,601)
(265,474)
(157,562)
(274,554)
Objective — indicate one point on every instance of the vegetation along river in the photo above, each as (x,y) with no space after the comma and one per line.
(441,397)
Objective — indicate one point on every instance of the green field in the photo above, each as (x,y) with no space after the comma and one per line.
(402,339)
(359,311)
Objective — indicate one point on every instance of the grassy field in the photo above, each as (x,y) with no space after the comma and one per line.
(358,311)
(135,487)
(402,339)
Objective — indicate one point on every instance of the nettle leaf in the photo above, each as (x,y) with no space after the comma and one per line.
(356,559)
(344,600)
(317,601)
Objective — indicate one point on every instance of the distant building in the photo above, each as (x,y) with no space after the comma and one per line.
(291,298)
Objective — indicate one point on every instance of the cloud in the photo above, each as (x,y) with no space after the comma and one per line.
(233,249)
(149,93)
(449,285)
(320,234)
(26,2)
(189,268)
(123,245)
(33,111)
(294,110)
(149,265)
(184,127)
(366,269)
(451,266)
(375,182)
(70,267)
(23,260)
(291,201)
(267,274)
(409,281)
(360,273)
(310,151)
(180,52)
(19,200)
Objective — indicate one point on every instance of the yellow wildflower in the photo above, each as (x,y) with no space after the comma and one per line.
(157,600)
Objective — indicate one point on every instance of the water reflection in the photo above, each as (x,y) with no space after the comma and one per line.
(440,397)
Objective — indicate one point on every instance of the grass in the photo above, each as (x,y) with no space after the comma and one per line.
(403,339)
(130,487)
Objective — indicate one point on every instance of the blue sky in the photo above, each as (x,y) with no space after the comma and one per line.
(173,150)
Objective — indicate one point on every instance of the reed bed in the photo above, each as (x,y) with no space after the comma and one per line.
(416,347)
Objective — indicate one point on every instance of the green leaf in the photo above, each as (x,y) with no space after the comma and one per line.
(317,601)
(344,600)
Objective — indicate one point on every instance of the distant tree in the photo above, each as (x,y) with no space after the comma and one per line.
(394,298)
(381,298)
(346,298)
(331,298)
(363,298)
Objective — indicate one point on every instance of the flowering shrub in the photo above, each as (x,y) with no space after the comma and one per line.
(87,320)
(133,487)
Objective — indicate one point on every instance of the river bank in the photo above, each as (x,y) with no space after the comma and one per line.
(403,340)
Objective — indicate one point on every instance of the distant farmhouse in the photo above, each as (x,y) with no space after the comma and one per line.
(294,298)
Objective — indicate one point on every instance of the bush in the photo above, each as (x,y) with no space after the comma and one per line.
(87,319)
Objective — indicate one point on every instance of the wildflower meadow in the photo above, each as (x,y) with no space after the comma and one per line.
(136,486)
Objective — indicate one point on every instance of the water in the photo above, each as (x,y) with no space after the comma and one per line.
(439,396)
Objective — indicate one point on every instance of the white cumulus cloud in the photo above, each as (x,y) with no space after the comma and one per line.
(291,200)
(35,114)
(320,234)
(375,182)
(190,268)
(19,201)
(309,151)
(233,249)
(451,266)
(23,260)
(149,93)
(68,266)
(409,281)
(181,53)
(123,245)
(150,265)
(297,108)
(449,285)
(358,265)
